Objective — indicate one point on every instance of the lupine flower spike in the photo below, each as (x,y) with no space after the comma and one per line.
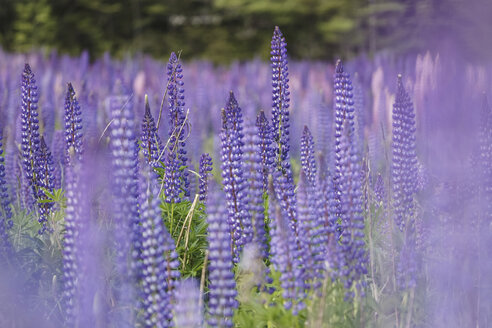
(204,172)
(73,125)
(233,176)
(159,258)
(30,128)
(151,143)
(125,204)
(222,286)
(176,177)
(45,180)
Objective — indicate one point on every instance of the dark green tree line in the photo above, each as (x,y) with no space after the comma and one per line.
(222,30)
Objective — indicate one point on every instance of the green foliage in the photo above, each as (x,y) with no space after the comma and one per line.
(186,222)
(262,308)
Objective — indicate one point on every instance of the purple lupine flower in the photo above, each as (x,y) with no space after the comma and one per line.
(159,258)
(176,177)
(351,256)
(281,99)
(311,210)
(233,176)
(308,161)
(266,150)
(404,167)
(124,150)
(29,128)
(204,172)
(5,211)
(254,174)
(45,181)
(70,242)
(151,143)
(284,254)
(222,286)
(344,126)
(379,192)
(187,310)
(73,125)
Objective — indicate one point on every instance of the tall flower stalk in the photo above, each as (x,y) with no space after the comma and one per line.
(159,258)
(222,286)
(176,176)
(151,143)
(127,230)
(254,174)
(46,182)
(73,125)
(29,128)
(282,174)
(233,176)
(205,167)
(404,174)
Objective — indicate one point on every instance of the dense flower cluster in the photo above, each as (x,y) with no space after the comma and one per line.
(352,257)
(150,141)
(286,254)
(222,285)
(73,125)
(204,172)
(176,177)
(71,270)
(124,151)
(404,168)
(45,181)
(266,151)
(281,100)
(30,130)
(253,174)
(159,258)
(233,176)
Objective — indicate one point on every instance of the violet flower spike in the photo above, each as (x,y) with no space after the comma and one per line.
(159,259)
(45,180)
(205,167)
(254,174)
(281,99)
(150,141)
(233,176)
(73,125)
(127,230)
(222,286)
(266,151)
(30,128)
(176,178)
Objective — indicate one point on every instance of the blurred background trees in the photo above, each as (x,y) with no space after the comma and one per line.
(223,30)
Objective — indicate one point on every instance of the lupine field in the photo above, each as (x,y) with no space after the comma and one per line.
(136,193)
